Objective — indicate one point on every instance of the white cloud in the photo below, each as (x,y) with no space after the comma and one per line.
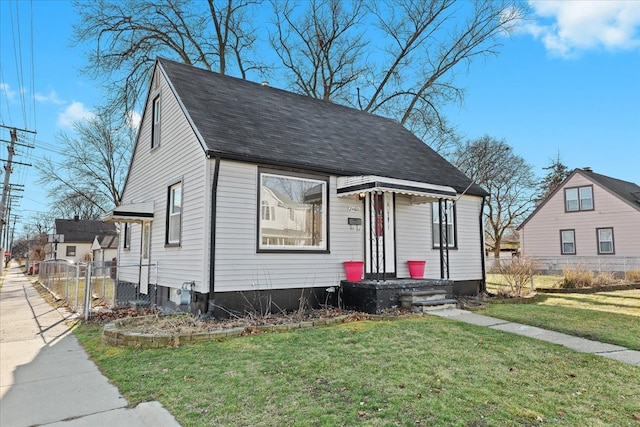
(51,97)
(569,27)
(76,111)
(133,119)
(6,90)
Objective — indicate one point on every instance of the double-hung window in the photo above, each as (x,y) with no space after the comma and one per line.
(448,217)
(578,199)
(605,241)
(71,251)
(292,212)
(174,214)
(568,242)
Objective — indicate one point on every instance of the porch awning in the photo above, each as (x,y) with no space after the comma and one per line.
(421,192)
(132,212)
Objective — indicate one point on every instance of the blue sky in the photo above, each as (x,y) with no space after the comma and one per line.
(567,82)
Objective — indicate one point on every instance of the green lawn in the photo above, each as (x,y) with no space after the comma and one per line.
(421,371)
(612,317)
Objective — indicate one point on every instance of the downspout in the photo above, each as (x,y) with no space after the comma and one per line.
(483,283)
(212,262)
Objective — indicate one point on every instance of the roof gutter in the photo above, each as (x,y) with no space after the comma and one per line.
(212,227)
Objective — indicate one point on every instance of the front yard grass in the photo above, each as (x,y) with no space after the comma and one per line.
(420,371)
(612,317)
(496,283)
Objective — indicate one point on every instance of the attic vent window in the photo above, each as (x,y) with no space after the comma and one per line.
(578,199)
(155,124)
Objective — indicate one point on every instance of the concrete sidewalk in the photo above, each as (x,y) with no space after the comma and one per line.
(46,378)
(582,345)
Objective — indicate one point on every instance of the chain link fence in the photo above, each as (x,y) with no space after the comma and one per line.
(554,266)
(88,286)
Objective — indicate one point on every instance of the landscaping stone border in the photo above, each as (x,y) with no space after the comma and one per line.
(113,335)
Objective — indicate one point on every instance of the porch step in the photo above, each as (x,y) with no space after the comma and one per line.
(430,305)
(408,298)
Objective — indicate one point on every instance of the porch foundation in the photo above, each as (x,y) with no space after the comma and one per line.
(372,296)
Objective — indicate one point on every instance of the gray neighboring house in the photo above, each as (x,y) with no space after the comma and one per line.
(590,219)
(80,236)
(242,189)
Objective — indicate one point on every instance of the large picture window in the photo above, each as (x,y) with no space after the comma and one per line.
(605,241)
(448,216)
(568,242)
(578,199)
(174,214)
(292,213)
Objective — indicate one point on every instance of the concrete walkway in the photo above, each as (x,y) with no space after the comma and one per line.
(582,345)
(46,378)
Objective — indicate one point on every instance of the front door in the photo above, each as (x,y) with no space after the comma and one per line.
(380,246)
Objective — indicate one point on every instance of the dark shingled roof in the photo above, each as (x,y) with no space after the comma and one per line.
(624,189)
(241,120)
(84,230)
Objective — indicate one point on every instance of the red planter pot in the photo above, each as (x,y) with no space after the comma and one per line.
(416,269)
(354,270)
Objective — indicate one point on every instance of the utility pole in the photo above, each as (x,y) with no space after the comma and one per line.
(8,167)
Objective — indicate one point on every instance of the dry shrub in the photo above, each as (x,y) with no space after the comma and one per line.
(604,278)
(518,274)
(632,276)
(576,278)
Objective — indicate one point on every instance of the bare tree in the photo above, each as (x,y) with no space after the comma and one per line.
(90,178)
(321,46)
(406,67)
(506,176)
(125,37)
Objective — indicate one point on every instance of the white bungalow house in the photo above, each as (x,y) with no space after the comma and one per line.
(240,189)
(590,220)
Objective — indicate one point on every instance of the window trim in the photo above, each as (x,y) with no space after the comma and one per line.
(579,199)
(613,241)
(167,242)
(156,110)
(323,179)
(575,249)
(454,223)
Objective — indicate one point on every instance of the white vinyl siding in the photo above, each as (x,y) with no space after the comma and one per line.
(240,267)
(179,158)
(414,239)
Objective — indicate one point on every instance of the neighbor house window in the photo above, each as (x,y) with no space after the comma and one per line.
(71,251)
(448,217)
(292,212)
(578,199)
(568,242)
(605,241)
(174,214)
(155,123)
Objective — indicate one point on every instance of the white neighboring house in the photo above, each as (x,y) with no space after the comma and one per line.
(244,189)
(589,220)
(79,237)
(105,248)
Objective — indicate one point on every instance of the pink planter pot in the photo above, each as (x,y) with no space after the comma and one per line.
(416,269)
(353,270)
